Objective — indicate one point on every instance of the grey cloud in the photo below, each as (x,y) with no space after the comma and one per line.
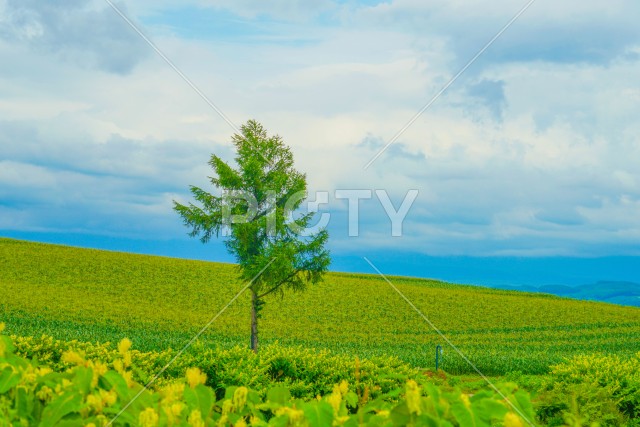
(561,32)
(491,94)
(293,10)
(162,163)
(556,42)
(74,30)
(120,186)
(373,144)
(563,216)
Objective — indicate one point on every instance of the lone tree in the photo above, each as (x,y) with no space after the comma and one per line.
(257,200)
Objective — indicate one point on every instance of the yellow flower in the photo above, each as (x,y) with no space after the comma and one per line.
(126,359)
(148,418)
(94,402)
(108,397)
(118,366)
(240,397)
(177,408)
(73,358)
(413,397)
(128,377)
(334,400)
(173,411)
(124,346)
(45,394)
(240,423)
(342,420)
(172,393)
(344,387)
(99,369)
(465,400)
(195,419)
(227,407)
(29,375)
(41,372)
(512,420)
(296,416)
(195,376)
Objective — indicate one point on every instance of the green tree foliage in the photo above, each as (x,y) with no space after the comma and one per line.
(257,200)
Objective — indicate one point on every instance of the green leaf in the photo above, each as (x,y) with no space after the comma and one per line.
(75,421)
(279,421)
(280,395)
(352,399)
(427,420)
(123,419)
(400,415)
(8,344)
(113,380)
(523,403)
(24,403)
(143,400)
(82,379)
(318,413)
(486,410)
(229,392)
(8,379)
(462,414)
(65,404)
(201,398)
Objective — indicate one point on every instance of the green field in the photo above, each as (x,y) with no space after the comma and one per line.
(98,296)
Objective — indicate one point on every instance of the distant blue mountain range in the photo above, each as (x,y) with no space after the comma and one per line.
(608,279)
(625,293)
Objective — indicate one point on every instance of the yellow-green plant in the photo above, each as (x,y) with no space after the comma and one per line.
(305,372)
(593,388)
(90,394)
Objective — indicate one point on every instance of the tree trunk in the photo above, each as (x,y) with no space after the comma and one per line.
(254,321)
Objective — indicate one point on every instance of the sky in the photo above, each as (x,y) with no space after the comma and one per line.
(526,166)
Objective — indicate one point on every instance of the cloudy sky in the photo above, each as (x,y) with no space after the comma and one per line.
(533,151)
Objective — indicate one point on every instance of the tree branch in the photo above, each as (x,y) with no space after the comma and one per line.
(286,280)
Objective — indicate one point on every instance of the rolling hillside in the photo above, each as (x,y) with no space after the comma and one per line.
(92,295)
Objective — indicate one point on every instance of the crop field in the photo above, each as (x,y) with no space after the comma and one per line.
(159,303)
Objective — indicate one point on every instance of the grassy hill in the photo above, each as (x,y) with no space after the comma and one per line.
(92,295)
